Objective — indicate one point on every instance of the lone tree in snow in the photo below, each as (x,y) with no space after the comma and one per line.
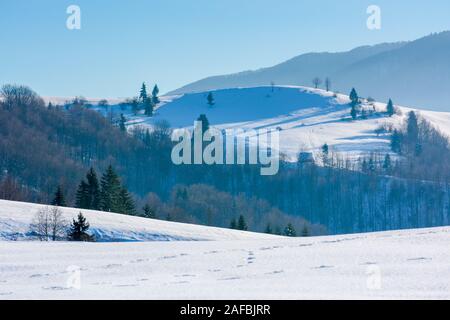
(390,109)
(79,228)
(210,99)
(354,103)
(316,82)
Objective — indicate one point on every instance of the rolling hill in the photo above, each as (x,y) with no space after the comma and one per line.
(305,118)
(413,73)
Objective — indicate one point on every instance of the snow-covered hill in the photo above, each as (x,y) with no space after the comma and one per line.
(305,118)
(415,73)
(412,264)
(234,265)
(16,217)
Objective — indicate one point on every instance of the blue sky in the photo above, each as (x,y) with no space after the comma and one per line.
(173,42)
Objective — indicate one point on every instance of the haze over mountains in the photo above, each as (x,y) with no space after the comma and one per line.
(415,73)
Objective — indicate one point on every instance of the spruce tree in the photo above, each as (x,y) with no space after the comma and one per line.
(325,152)
(59,199)
(126,203)
(289,231)
(390,109)
(110,193)
(93,189)
(204,122)
(148,107)
(82,196)
(354,112)
(143,93)
(396,142)
(149,212)
(354,97)
(210,99)
(155,93)
(242,225)
(268,229)
(79,228)
(412,128)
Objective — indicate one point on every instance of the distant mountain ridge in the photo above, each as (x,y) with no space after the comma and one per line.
(415,73)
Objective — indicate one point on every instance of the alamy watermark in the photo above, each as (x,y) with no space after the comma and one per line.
(229,146)
(374,19)
(73,21)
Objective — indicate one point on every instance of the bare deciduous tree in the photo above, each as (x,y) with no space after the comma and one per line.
(316,82)
(21,96)
(328,84)
(49,224)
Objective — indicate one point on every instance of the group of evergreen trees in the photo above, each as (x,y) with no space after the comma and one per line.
(355,104)
(148,102)
(108,195)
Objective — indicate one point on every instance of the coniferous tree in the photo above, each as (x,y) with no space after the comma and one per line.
(354,112)
(143,93)
(242,225)
(396,142)
(155,93)
(325,152)
(204,122)
(390,109)
(268,229)
(354,104)
(126,203)
(110,193)
(412,130)
(354,97)
(148,107)
(59,199)
(149,212)
(93,189)
(289,231)
(210,99)
(79,228)
(82,196)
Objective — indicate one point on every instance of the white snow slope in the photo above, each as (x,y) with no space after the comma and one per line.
(410,264)
(306,118)
(16,217)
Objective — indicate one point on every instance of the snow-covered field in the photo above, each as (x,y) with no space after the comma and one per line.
(16,217)
(408,264)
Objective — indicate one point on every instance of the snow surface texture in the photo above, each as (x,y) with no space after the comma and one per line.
(305,118)
(16,217)
(410,264)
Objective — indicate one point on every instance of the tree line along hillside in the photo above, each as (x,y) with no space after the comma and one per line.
(43,147)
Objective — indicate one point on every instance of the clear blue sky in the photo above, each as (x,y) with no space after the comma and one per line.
(173,42)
